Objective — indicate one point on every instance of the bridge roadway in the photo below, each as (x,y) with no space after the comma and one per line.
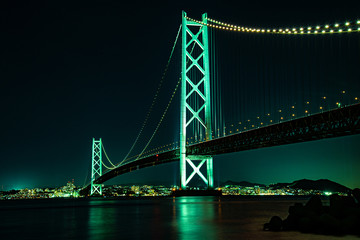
(334,123)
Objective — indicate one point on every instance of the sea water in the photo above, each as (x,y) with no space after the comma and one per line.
(182,218)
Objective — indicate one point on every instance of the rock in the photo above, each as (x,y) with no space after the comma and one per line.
(275,224)
(291,223)
(329,225)
(298,210)
(266,227)
(340,206)
(356,195)
(307,224)
(314,205)
(325,209)
(350,224)
(341,217)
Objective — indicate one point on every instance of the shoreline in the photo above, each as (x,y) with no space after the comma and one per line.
(223,197)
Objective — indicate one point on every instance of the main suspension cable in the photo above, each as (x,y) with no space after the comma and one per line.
(110,168)
(347,27)
(166,109)
(102,146)
(162,118)
(154,99)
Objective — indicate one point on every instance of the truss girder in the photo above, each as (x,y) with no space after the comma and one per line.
(335,123)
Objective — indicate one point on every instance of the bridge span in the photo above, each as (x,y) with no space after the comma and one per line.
(329,124)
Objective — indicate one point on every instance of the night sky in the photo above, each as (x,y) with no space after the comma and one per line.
(73,71)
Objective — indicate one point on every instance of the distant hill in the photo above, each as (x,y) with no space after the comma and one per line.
(242,183)
(321,185)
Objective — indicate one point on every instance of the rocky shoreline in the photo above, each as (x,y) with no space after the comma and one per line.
(342,217)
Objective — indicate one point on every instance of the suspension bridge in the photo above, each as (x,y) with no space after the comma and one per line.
(275,111)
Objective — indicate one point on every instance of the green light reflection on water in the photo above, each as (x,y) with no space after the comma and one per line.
(195,218)
(101,220)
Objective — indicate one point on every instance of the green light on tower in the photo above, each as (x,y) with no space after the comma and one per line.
(191,37)
(96,167)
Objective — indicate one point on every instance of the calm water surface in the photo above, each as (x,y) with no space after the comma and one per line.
(164,218)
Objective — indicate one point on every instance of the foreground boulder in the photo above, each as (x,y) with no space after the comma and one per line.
(275,224)
(340,218)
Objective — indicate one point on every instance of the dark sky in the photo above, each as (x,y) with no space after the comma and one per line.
(73,71)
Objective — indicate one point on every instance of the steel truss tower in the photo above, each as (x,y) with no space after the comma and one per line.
(96,169)
(195,85)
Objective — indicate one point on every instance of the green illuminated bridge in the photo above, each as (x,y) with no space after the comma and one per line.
(267,100)
(336,123)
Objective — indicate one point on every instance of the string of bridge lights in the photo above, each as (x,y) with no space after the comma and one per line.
(347,27)
(245,126)
(248,126)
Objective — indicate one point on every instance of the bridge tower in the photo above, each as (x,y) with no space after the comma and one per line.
(195,35)
(96,167)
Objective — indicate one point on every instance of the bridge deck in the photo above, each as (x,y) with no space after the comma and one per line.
(335,123)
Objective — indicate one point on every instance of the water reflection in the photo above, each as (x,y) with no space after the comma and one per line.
(166,218)
(195,218)
(102,220)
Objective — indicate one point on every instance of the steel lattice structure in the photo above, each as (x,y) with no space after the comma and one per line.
(96,167)
(335,123)
(195,35)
